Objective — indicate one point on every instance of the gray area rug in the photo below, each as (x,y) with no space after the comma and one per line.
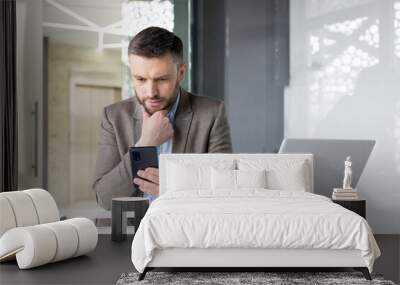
(225,278)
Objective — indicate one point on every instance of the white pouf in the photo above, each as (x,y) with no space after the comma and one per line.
(30,230)
(37,245)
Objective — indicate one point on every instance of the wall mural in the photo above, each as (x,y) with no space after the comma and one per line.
(396,7)
(344,84)
(338,53)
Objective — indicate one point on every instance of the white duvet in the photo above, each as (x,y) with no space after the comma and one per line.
(250,219)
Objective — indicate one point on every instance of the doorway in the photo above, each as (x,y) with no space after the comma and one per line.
(87,103)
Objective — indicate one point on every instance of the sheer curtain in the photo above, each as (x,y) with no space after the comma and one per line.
(8,99)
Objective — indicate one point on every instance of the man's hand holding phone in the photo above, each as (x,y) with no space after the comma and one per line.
(151,181)
(156,129)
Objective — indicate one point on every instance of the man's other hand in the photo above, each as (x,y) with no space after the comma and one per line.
(152,185)
(156,129)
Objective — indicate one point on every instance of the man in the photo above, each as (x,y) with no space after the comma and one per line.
(160,114)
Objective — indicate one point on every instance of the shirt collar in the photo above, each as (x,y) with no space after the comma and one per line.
(172,111)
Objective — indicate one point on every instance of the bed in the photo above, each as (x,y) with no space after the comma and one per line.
(247,210)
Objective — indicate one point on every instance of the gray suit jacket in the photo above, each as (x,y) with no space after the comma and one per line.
(200,126)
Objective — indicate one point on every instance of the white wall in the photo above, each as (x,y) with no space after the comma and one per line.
(345,83)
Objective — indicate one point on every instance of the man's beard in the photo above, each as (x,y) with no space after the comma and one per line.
(167,106)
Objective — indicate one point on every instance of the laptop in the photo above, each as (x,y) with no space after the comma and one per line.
(329,157)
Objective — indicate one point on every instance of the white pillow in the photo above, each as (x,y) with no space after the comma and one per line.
(251,178)
(282,174)
(227,179)
(223,179)
(184,175)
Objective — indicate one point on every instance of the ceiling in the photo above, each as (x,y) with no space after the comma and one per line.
(101,13)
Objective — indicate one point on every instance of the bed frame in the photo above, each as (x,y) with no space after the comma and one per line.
(245,259)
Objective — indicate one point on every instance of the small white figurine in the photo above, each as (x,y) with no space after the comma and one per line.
(347,174)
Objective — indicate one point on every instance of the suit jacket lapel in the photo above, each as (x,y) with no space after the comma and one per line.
(183,120)
(137,121)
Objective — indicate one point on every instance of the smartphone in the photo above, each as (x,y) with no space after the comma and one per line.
(143,157)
